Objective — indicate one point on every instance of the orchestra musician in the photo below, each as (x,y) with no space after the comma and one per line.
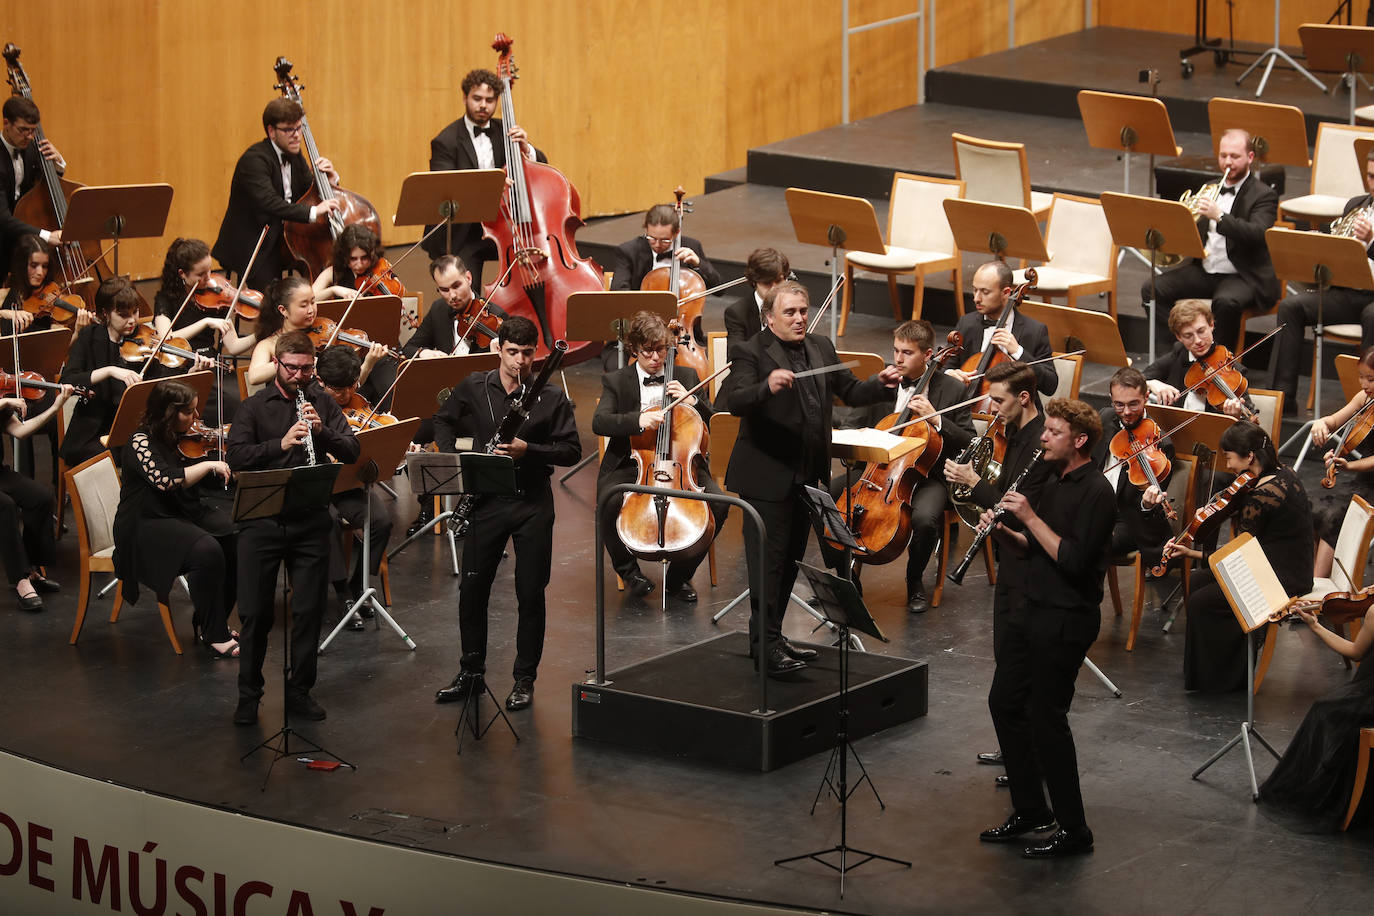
(1065,531)
(356,252)
(270,431)
(1026,339)
(30,269)
(337,370)
(1193,328)
(1277,512)
(1016,401)
(547,438)
(27,540)
(1236,272)
(641,254)
(783,445)
(473,142)
(1357,474)
(269,176)
(20,169)
(1339,304)
(765,269)
(164,528)
(630,402)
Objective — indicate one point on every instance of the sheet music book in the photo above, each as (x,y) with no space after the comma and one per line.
(869,444)
(1248,581)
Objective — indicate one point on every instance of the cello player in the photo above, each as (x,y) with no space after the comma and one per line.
(1025,339)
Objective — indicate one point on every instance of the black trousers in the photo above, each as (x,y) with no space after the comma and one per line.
(1040,654)
(787,525)
(1297,313)
(1230,296)
(1214,645)
(26,524)
(528,524)
(302,543)
(351,507)
(211,574)
(624,562)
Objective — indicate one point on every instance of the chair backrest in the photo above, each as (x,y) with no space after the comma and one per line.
(94,488)
(1335,170)
(992,171)
(1078,238)
(1269,405)
(1070,372)
(1181,489)
(1348,371)
(724,432)
(64,419)
(1352,545)
(715,353)
(916,215)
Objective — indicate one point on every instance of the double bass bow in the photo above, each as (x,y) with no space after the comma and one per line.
(992,355)
(534,235)
(310,246)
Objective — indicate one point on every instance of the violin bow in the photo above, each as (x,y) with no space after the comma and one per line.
(932,415)
(695,388)
(712,291)
(1136,451)
(243,277)
(1035,362)
(1344,430)
(162,338)
(839,282)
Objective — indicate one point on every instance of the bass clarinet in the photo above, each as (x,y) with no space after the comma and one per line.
(506,430)
(957,576)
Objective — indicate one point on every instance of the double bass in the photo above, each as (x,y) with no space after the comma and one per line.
(992,355)
(309,247)
(534,235)
(45,206)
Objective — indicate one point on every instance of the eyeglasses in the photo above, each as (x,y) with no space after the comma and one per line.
(294,129)
(653,241)
(298,369)
(28,131)
(649,351)
(1120,406)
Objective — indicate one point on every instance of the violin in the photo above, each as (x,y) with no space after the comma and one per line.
(200,440)
(380,280)
(49,300)
(218,295)
(31,386)
(656,527)
(1353,434)
(1216,375)
(310,246)
(1337,607)
(1205,521)
(1146,462)
(679,279)
(992,355)
(173,352)
(323,329)
(879,503)
(535,234)
(985,455)
(358,413)
(477,324)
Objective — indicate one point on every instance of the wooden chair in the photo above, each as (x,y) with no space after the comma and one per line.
(1082,254)
(919,242)
(998,173)
(1337,175)
(1348,371)
(868,364)
(949,528)
(1269,406)
(716,357)
(1346,335)
(1070,372)
(1363,753)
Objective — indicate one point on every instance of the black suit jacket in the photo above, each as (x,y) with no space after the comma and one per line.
(436,330)
(617,416)
(256,198)
(11,226)
(956,427)
(1172,367)
(1033,337)
(741,321)
(635,258)
(452,150)
(774,439)
(1255,209)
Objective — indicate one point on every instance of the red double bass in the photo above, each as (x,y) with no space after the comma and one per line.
(540,214)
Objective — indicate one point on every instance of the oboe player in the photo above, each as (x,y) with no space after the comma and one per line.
(547,437)
(274,429)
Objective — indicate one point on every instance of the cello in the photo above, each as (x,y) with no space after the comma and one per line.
(880,502)
(992,355)
(45,204)
(534,234)
(679,279)
(309,247)
(659,527)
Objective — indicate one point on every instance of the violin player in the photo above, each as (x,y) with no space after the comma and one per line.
(20,168)
(1193,328)
(1025,339)
(1357,473)
(356,252)
(27,538)
(630,403)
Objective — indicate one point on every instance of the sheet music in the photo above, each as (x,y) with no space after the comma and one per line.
(1250,583)
(866,437)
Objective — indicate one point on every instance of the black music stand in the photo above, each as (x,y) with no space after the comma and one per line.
(434,474)
(464,196)
(132,211)
(839,601)
(270,495)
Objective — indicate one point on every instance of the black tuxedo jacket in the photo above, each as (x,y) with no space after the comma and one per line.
(775,443)
(635,258)
(1255,209)
(256,198)
(617,416)
(741,321)
(436,330)
(956,427)
(1172,367)
(452,150)
(1033,337)
(11,226)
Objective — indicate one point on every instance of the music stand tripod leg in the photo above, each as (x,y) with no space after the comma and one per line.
(1303,433)
(369,595)
(1097,672)
(1247,727)
(718,615)
(468,721)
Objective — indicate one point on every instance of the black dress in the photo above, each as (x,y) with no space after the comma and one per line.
(1313,779)
(163,530)
(1279,515)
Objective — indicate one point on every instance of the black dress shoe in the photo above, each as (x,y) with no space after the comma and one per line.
(521,694)
(638,585)
(304,706)
(780,664)
(1002,782)
(423,520)
(683,592)
(917,602)
(1017,826)
(465,683)
(1064,842)
(246,713)
(355,622)
(44,585)
(991,758)
(32,603)
(800,653)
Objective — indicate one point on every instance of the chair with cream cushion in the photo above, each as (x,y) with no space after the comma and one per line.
(1337,175)
(1082,254)
(997,173)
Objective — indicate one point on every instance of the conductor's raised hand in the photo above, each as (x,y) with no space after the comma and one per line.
(779,379)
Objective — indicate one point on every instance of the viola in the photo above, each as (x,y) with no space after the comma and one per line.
(985,455)
(218,296)
(656,527)
(323,329)
(310,246)
(478,325)
(992,355)
(880,502)
(31,386)
(173,352)
(1337,607)
(200,440)
(1216,376)
(360,416)
(1353,434)
(1146,462)
(1205,520)
(535,235)
(50,301)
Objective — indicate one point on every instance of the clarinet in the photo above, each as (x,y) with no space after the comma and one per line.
(957,576)
(505,431)
(309,442)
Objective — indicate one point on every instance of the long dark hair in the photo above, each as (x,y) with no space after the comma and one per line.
(167,399)
(1245,438)
(279,292)
(182,255)
(355,235)
(26,247)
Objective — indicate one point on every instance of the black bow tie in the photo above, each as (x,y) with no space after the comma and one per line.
(653,380)
(989,322)
(908,382)
(480,131)
(1226,190)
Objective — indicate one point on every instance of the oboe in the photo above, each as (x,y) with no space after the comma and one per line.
(957,576)
(300,418)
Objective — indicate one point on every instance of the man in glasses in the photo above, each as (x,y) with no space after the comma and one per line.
(20,167)
(269,177)
(270,431)
(654,248)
